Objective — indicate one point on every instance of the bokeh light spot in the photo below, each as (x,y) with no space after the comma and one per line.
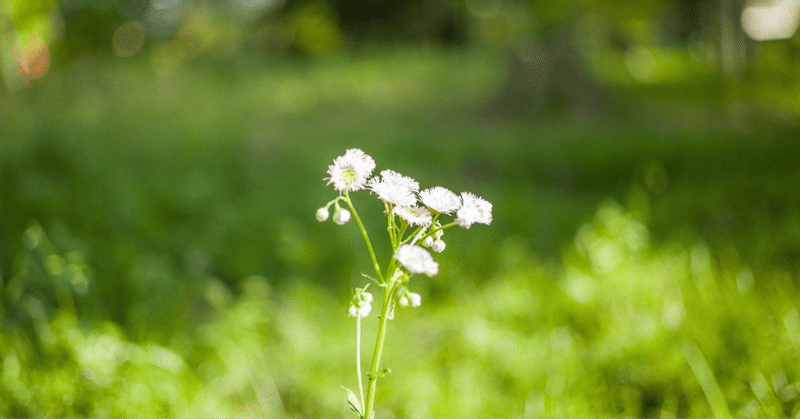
(641,64)
(778,20)
(128,39)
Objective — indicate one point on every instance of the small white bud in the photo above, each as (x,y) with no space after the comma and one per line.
(403,301)
(416,300)
(367,297)
(322,214)
(364,309)
(409,299)
(438,246)
(341,216)
(428,242)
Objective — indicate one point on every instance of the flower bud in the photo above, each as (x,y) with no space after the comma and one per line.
(322,214)
(364,309)
(428,242)
(409,299)
(438,246)
(341,216)
(415,299)
(403,301)
(367,297)
(359,309)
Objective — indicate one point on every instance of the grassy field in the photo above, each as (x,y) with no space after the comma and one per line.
(160,255)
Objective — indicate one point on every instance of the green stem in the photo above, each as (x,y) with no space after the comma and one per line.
(366,237)
(433,231)
(358,361)
(369,410)
(396,244)
(389,221)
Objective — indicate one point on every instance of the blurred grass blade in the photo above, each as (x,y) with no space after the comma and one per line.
(708,383)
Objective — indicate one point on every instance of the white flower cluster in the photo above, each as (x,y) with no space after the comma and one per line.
(417,208)
(352,171)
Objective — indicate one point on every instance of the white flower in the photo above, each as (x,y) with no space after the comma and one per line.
(415,216)
(474,210)
(438,246)
(440,199)
(341,216)
(322,214)
(417,260)
(395,188)
(351,171)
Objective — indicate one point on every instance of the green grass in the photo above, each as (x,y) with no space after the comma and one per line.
(160,253)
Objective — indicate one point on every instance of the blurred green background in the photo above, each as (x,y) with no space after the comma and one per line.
(161,162)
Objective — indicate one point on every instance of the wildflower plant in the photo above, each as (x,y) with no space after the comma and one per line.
(414,223)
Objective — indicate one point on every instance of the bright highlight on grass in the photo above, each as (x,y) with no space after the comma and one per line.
(405,206)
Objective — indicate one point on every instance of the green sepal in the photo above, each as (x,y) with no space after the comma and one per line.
(379,374)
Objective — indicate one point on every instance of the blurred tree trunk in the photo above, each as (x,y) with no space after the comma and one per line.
(548,73)
(734,48)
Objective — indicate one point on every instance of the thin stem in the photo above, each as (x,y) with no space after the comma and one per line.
(396,244)
(358,361)
(412,236)
(390,225)
(433,231)
(366,237)
(369,410)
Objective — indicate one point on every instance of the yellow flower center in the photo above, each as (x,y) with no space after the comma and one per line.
(349,176)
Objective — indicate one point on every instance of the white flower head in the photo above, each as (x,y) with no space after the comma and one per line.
(415,216)
(474,210)
(322,214)
(395,188)
(417,260)
(351,171)
(341,216)
(440,199)
(438,246)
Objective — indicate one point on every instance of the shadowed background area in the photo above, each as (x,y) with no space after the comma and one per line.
(161,163)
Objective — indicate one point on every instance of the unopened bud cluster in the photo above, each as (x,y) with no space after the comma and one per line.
(361,303)
(340,215)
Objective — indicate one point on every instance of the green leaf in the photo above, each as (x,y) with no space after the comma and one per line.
(370,278)
(353,401)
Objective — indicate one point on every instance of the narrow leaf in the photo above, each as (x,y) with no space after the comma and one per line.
(353,401)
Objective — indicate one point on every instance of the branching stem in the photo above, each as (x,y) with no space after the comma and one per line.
(366,238)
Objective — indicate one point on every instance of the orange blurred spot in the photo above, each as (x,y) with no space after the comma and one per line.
(34,60)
